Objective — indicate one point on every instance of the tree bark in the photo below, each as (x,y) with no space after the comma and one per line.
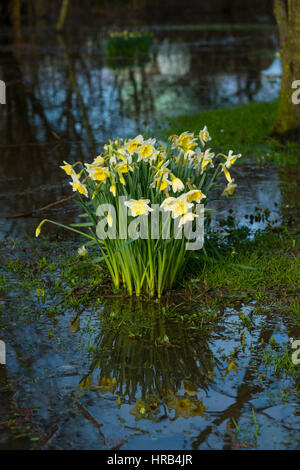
(287,13)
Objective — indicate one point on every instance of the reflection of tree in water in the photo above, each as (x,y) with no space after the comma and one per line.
(23,109)
(26,132)
(36,132)
(248,389)
(228,65)
(65,83)
(72,79)
(135,95)
(156,362)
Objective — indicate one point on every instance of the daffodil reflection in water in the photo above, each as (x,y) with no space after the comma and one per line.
(186,407)
(155,364)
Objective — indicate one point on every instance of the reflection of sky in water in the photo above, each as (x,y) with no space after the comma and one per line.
(275,69)
(122,101)
(48,372)
(173,59)
(258,189)
(231,89)
(179,77)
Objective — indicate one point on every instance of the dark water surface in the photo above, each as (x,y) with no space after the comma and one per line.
(66,98)
(134,376)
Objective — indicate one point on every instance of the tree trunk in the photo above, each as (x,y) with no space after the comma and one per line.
(287,13)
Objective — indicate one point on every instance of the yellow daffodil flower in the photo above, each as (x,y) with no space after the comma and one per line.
(167,203)
(39,227)
(204,136)
(80,187)
(145,151)
(186,141)
(177,184)
(98,160)
(180,208)
(188,217)
(138,207)
(98,173)
(195,195)
(231,159)
(229,190)
(204,163)
(135,143)
(161,183)
(206,159)
(123,167)
(68,169)
(122,180)
(226,173)
(113,190)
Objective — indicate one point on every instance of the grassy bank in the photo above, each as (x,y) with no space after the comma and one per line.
(265,270)
(246,129)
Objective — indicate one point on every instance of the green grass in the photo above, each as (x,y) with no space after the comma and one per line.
(266,269)
(245,129)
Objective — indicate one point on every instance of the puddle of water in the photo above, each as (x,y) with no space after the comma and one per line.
(151,379)
(259,199)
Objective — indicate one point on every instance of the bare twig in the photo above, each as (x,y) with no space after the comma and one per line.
(89,417)
(36,211)
(143,431)
(47,438)
(119,445)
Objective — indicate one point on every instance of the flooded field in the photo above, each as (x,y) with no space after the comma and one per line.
(117,373)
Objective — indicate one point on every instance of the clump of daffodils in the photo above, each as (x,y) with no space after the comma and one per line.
(175,176)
